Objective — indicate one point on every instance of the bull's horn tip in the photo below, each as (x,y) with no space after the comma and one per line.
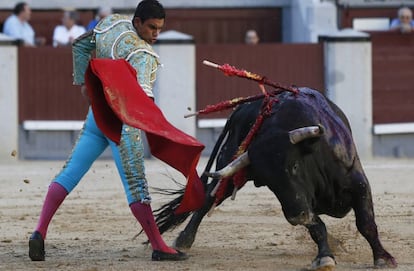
(321,129)
(213,175)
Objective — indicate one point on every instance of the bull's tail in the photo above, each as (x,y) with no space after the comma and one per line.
(215,151)
(165,216)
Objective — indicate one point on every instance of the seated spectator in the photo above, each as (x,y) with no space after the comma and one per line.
(65,34)
(251,37)
(102,13)
(404,23)
(17,26)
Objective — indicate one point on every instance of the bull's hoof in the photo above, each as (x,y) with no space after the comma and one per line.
(387,261)
(323,264)
(183,241)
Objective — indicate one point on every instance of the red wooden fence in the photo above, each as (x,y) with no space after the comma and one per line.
(289,64)
(46,91)
(393,77)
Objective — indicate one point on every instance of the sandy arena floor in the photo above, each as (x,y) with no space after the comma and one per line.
(94,229)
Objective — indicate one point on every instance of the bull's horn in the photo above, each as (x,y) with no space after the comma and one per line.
(229,170)
(300,134)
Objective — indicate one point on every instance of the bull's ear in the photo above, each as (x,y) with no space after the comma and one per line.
(306,137)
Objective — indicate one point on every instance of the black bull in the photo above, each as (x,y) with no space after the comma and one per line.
(314,175)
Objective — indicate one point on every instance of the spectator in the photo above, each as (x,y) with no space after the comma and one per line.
(102,13)
(251,37)
(65,34)
(404,22)
(17,26)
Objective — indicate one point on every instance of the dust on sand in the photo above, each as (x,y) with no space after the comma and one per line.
(94,229)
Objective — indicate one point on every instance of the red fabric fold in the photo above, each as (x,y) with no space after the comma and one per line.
(117,98)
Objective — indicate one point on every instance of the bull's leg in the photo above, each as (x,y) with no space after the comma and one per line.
(186,237)
(325,259)
(365,221)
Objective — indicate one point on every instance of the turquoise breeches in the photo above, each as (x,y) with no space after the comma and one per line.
(128,156)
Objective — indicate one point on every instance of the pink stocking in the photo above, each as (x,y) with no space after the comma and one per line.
(54,198)
(143,214)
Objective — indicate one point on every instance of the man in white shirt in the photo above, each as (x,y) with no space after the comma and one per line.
(65,34)
(404,23)
(17,26)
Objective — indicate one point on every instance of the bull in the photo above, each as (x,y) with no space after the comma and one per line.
(305,154)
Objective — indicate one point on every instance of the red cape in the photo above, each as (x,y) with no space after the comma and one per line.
(117,98)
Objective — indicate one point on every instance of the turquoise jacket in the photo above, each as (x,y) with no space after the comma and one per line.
(115,37)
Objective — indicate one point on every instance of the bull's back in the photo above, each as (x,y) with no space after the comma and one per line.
(292,111)
(337,134)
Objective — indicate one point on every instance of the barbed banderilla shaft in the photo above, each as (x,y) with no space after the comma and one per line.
(233,71)
(265,111)
(225,105)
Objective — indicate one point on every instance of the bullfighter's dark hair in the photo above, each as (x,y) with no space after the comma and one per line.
(19,7)
(149,9)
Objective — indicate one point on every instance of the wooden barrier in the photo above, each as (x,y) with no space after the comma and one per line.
(46,91)
(393,77)
(288,64)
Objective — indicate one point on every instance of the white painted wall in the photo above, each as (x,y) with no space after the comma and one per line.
(174,89)
(305,20)
(8,102)
(348,79)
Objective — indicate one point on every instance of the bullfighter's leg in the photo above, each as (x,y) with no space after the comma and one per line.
(129,159)
(90,144)
(365,220)
(325,259)
(186,237)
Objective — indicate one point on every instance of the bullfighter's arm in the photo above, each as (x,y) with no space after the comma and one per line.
(146,66)
(82,52)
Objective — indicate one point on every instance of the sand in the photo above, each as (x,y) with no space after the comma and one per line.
(94,229)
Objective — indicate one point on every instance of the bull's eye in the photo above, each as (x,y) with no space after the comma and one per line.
(295,169)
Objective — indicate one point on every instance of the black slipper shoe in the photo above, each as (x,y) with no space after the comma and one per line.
(158,255)
(36,247)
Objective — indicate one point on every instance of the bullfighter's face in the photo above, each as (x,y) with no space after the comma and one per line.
(149,29)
